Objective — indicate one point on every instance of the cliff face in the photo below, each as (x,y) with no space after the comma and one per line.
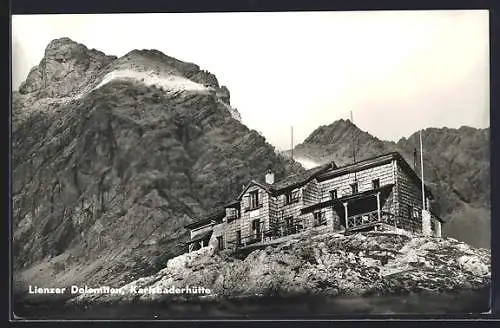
(456,167)
(113,156)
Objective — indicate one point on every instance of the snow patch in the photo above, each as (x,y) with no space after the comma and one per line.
(234,113)
(168,82)
(306,163)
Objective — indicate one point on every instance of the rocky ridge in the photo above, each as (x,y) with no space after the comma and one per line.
(376,263)
(69,70)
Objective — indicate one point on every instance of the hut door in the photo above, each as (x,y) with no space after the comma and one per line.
(238,237)
(256,228)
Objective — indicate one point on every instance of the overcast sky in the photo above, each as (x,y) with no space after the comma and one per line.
(397,71)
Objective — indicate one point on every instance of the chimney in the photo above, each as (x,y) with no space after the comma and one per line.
(269,177)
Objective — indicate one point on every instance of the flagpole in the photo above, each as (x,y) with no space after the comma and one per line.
(353,149)
(291,130)
(353,142)
(422,171)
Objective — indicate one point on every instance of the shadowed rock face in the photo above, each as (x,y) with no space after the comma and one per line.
(106,176)
(456,167)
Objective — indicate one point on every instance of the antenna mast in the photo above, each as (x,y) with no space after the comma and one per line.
(354,149)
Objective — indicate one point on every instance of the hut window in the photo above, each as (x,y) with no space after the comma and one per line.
(232,214)
(289,225)
(413,212)
(376,183)
(220,243)
(238,237)
(292,197)
(354,188)
(254,199)
(319,219)
(333,194)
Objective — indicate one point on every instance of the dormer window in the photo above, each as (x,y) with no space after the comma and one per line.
(232,213)
(292,197)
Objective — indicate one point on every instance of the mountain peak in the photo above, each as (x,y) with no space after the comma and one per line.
(327,133)
(66,67)
(69,70)
(344,123)
(64,49)
(61,43)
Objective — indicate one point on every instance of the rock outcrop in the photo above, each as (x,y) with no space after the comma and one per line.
(376,263)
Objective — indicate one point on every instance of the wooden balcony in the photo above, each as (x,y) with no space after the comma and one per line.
(360,219)
(266,236)
(369,219)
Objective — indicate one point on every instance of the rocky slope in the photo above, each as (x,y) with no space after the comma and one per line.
(113,156)
(456,168)
(376,263)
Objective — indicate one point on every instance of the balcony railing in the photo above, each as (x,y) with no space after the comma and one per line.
(267,235)
(361,219)
(370,217)
(246,240)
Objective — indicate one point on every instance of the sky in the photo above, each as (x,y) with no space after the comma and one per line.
(397,71)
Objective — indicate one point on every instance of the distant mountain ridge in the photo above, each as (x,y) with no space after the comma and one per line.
(456,167)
